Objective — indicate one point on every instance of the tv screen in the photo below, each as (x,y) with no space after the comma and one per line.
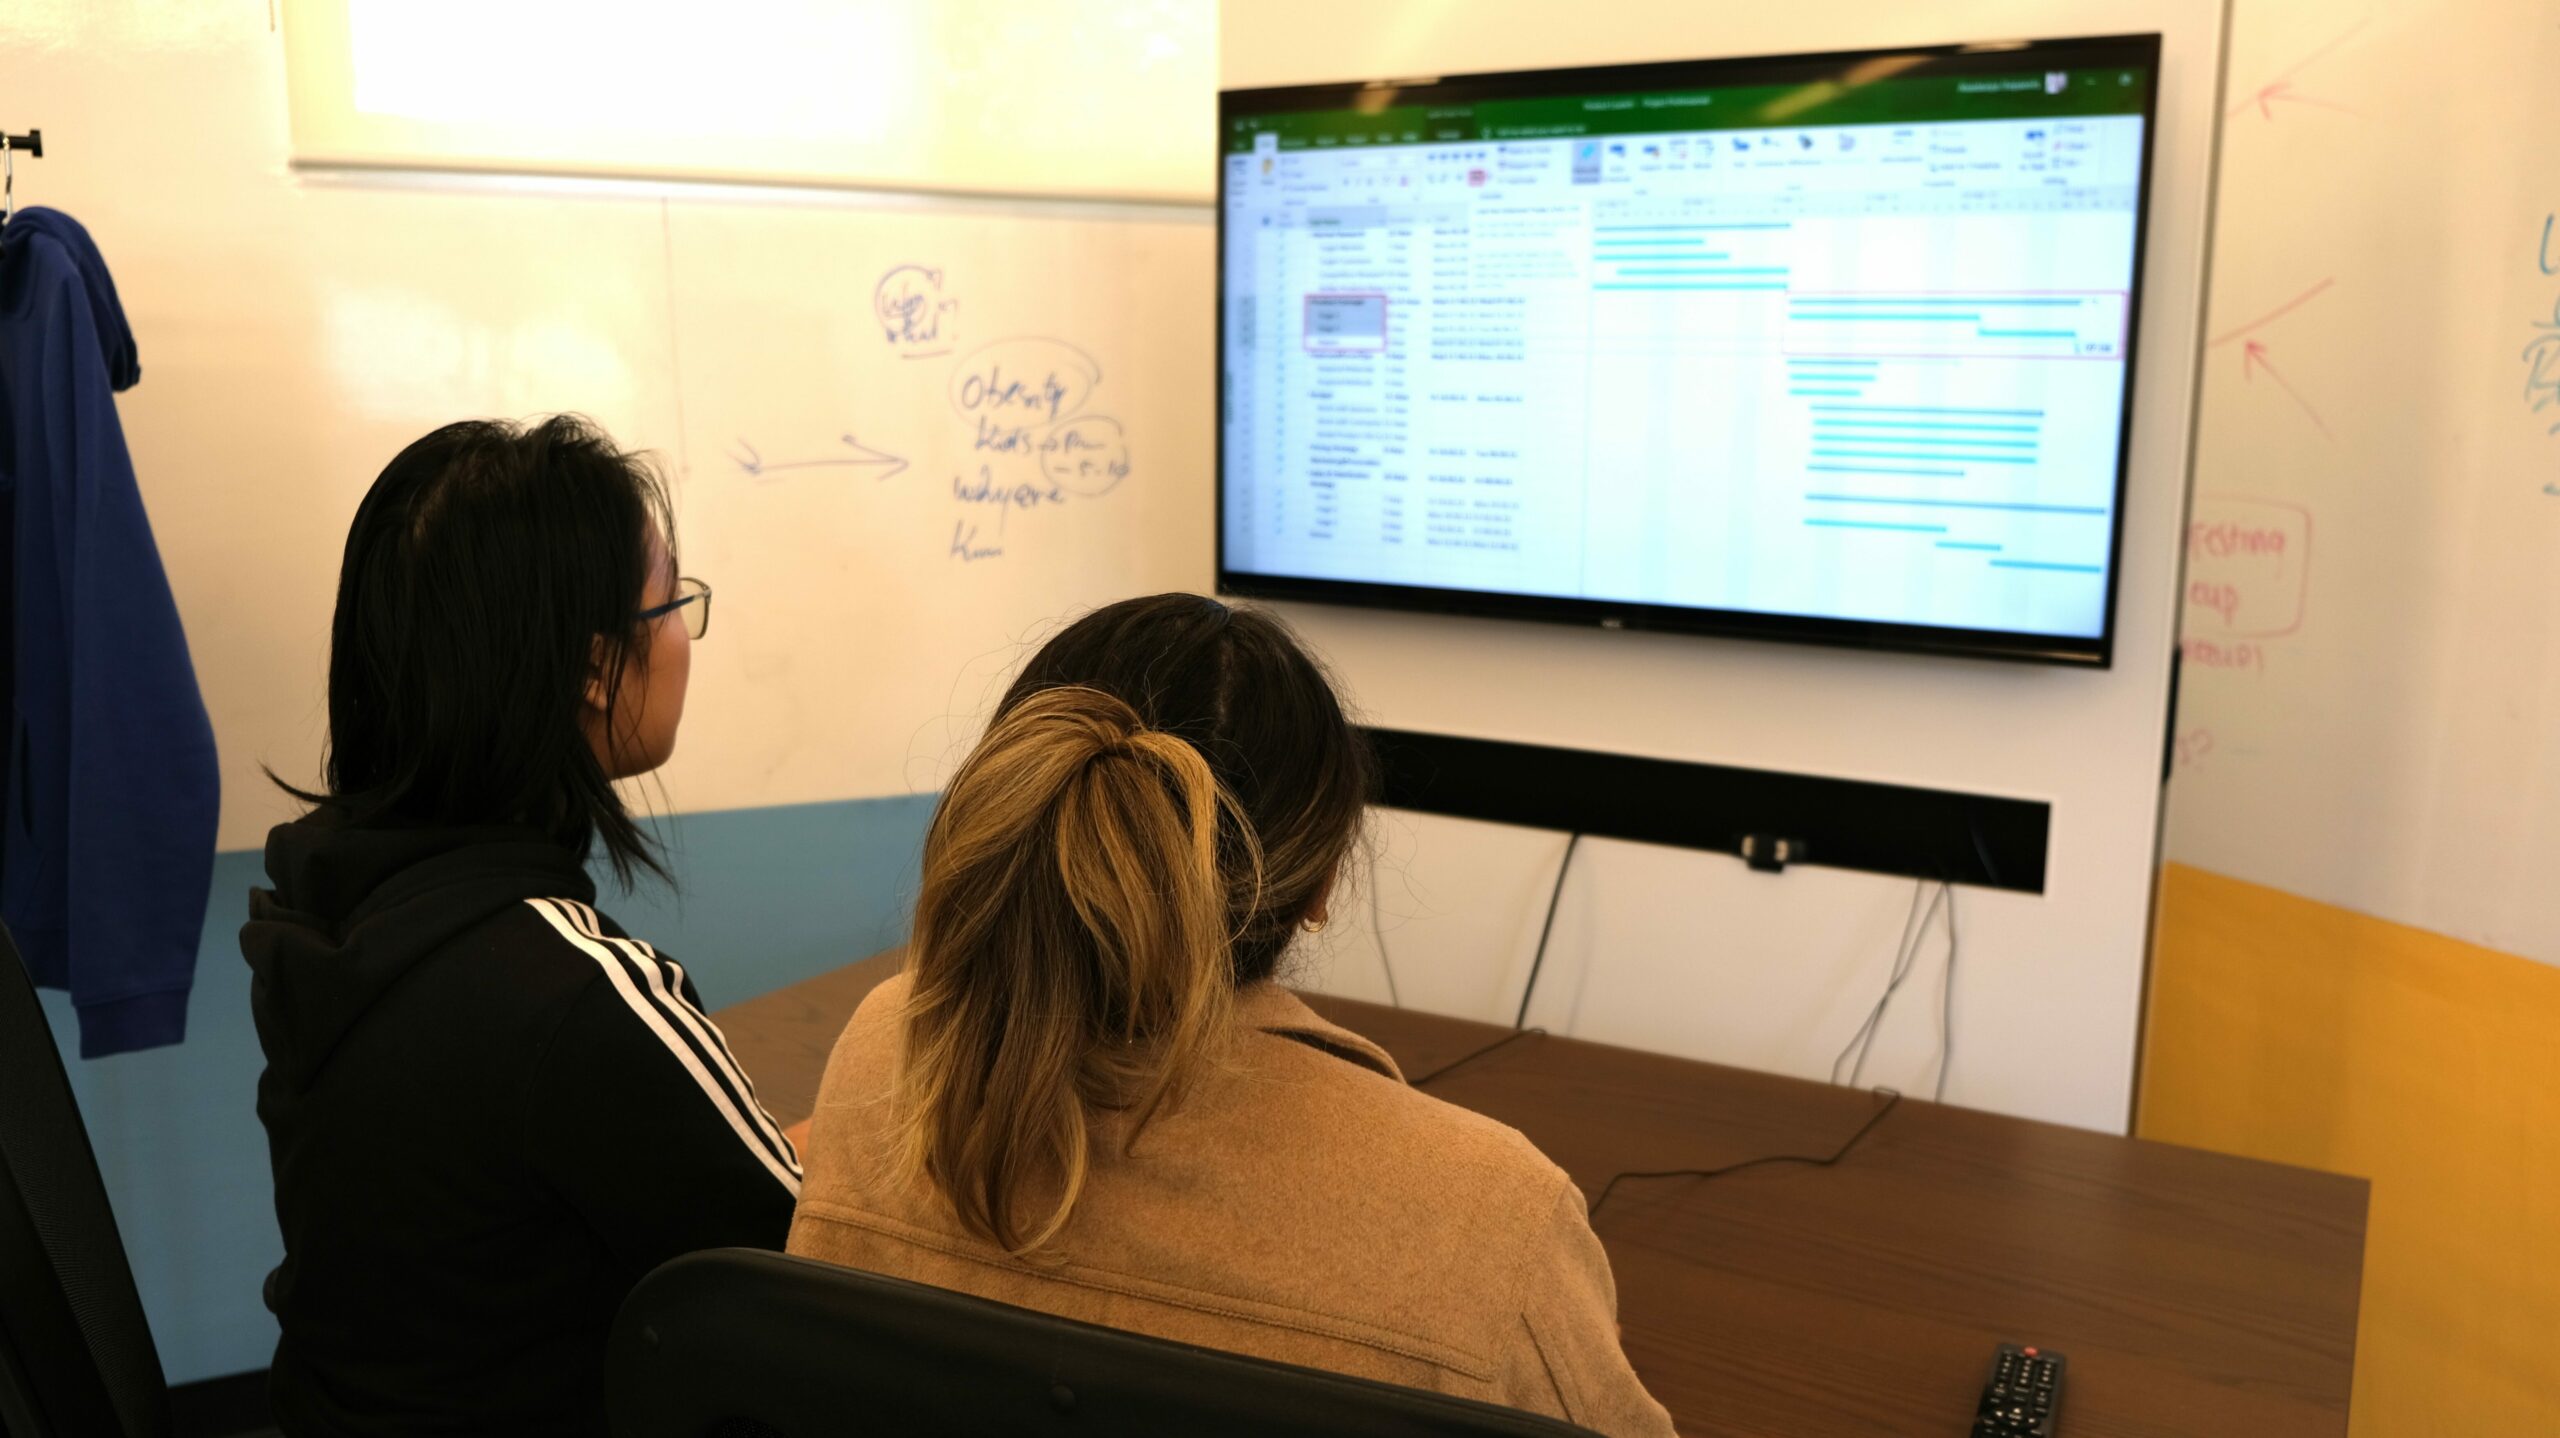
(1832,348)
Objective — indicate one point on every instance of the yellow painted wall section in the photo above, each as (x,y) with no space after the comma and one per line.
(2290,1030)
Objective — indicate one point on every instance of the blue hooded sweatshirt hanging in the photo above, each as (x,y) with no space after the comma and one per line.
(109,792)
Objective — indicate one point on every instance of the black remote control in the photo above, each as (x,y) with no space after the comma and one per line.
(2019,1401)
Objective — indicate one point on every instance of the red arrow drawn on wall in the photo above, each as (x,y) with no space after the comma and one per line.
(2253,353)
(2273,315)
(2253,357)
(2266,97)
(2282,90)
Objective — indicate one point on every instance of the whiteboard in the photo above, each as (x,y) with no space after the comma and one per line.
(852,652)
(912,442)
(2371,627)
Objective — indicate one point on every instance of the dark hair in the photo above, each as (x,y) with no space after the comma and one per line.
(1236,685)
(1163,795)
(491,569)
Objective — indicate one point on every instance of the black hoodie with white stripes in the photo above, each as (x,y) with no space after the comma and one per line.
(490,1112)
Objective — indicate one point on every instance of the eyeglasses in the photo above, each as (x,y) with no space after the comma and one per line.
(694,598)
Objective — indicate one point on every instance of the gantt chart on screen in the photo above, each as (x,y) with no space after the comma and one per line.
(1860,371)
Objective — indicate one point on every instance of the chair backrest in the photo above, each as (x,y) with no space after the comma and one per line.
(76,1358)
(737,1343)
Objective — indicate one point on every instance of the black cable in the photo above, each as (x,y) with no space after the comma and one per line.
(1910,961)
(1947,1005)
(1564,866)
(1467,1058)
(1947,995)
(1892,1098)
(1378,931)
(1915,926)
(1981,850)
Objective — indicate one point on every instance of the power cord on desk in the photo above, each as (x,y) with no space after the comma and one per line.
(1462,1060)
(1914,930)
(1892,1099)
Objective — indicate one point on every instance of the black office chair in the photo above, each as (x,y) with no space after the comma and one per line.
(739,1343)
(76,1358)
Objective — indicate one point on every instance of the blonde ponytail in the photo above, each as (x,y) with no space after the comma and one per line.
(1071,953)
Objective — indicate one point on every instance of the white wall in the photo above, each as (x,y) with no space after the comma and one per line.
(1691,953)
(2374,723)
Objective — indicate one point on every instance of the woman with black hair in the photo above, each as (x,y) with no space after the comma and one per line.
(490,1110)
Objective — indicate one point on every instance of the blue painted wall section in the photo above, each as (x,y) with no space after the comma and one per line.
(177,1137)
(772,896)
(769,897)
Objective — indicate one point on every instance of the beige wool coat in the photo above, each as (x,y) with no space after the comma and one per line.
(1301,1203)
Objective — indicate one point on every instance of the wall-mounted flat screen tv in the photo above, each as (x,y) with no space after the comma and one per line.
(1832,348)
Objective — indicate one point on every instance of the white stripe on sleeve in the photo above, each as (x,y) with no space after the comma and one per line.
(619,974)
(669,993)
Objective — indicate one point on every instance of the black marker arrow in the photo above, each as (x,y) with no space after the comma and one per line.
(873,456)
(755,464)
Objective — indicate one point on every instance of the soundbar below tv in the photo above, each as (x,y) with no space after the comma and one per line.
(1830,348)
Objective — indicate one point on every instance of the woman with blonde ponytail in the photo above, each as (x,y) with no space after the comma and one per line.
(1087,1095)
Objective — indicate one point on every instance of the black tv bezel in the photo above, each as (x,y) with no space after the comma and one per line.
(2096,652)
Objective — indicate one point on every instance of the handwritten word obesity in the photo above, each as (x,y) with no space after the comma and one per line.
(994,389)
(1027,381)
(2542,352)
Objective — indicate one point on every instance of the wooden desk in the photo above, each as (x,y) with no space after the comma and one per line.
(2195,1294)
